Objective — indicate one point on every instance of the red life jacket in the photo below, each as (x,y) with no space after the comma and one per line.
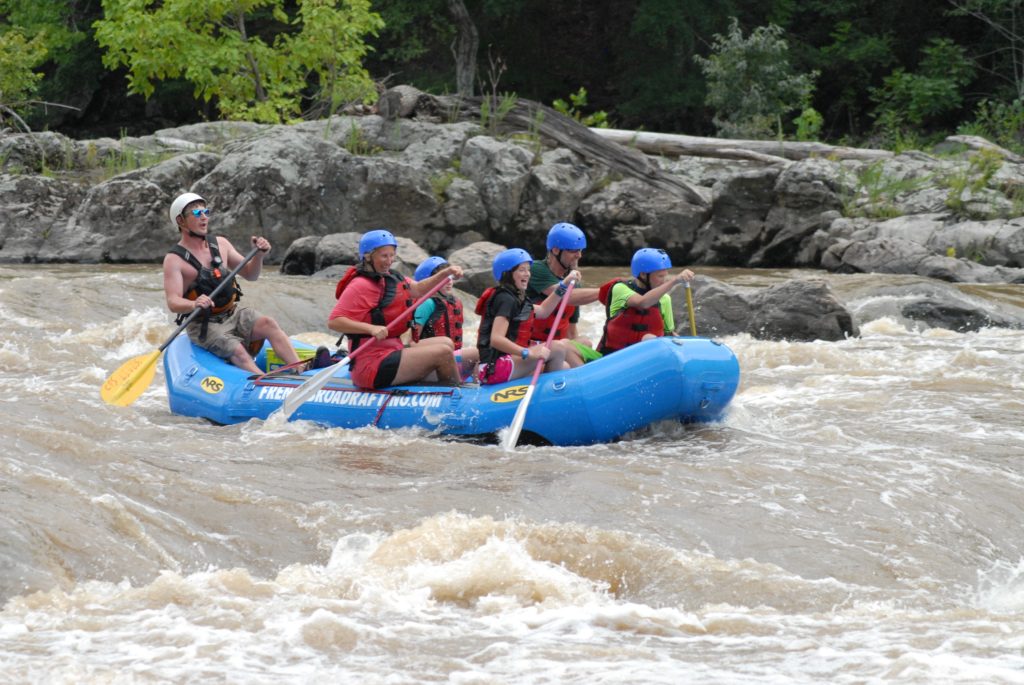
(542,327)
(395,298)
(629,325)
(445,321)
(519,329)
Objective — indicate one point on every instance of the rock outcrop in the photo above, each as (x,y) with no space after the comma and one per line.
(454,184)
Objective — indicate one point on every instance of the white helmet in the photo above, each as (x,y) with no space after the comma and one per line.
(179,204)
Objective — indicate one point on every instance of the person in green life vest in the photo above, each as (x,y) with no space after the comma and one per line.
(441,315)
(565,245)
(641,308)
(192,270)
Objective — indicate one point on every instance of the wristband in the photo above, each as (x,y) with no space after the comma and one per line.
(525,354)
(560,290)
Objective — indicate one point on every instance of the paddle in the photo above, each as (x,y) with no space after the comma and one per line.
(126,384)
(512,437)
(689,308)
(305,391)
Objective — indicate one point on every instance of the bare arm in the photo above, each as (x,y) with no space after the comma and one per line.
(421,288)
(651,297)
(343,324)
(233,257)
(174,287)
(500,342)
(550,303)
(578,297)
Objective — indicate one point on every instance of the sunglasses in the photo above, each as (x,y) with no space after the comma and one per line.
(198,212)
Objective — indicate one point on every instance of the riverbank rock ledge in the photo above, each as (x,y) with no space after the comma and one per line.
(433,174)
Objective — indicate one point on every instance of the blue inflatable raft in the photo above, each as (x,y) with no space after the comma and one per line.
(678,379)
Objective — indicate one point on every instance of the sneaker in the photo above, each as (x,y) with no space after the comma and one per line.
(322,359)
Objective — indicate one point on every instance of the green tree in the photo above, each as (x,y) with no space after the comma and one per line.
(254,58)
(916,99)
(19,57)
(750,82)
(54,49)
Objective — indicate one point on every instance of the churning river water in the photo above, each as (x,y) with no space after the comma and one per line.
(856,518)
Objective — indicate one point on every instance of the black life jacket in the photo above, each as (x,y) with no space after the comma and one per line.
(207,280)
(395,298)
(445,321)
(520,327)
(630,324)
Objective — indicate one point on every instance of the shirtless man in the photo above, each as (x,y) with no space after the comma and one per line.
(192,270)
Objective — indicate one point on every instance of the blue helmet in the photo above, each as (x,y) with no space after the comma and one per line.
(509,260)
(566,237)
(371,240)
(648,259)
(427,267)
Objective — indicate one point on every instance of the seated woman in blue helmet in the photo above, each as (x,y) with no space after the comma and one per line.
(441,315)
(371,296)
(506,320)
(641,308)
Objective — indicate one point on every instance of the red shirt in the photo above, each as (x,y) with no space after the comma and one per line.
(359,297)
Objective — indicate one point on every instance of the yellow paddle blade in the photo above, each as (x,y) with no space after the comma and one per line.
(126,384)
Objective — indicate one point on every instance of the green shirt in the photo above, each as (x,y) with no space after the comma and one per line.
(542,278)
(622,292)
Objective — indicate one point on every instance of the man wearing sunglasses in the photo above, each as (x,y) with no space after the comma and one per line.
(195,267)
(565,244)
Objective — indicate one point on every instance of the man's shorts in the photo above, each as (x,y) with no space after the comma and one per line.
(225,331)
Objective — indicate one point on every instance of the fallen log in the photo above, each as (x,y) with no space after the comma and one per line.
(979,143)
(769,151)
(532,118)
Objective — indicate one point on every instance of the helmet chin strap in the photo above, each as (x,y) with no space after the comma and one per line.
(191,232)
(558,258)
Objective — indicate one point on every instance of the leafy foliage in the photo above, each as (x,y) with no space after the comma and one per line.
(1000,122)
(574,108)
(751,84)
(254,58)
(18,80)
(875,192)
(916,98)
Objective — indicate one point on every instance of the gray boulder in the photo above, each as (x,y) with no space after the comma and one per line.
(475,261)
(803,310)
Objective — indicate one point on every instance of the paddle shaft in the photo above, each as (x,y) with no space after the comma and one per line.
(689,309)
(554,329)
(216,291)
(303,392)
(520,418)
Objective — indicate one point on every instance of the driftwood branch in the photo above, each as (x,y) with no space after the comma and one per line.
(526,116)
(771,151)
(978,143)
